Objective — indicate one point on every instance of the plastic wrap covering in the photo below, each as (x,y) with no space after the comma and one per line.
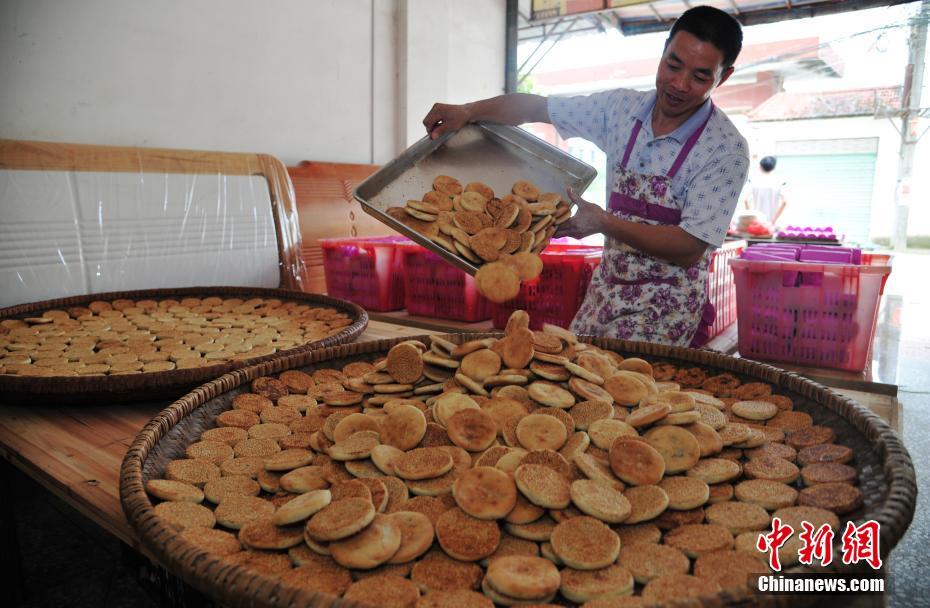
(78,219)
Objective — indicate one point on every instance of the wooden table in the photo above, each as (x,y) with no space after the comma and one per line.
(76,452)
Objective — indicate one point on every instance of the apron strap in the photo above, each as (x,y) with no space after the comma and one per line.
(631,142)
(686,149)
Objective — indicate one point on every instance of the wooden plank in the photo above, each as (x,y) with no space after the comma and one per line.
(445,326)
(51,156)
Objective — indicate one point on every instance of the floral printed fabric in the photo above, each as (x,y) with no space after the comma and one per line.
(633,295)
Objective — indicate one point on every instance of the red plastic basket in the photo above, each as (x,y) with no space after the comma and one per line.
(720,286)
(821,315)
(436,288)
(557,294)
(366,271)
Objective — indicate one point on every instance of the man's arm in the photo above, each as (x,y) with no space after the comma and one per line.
(669,243)
(510,109)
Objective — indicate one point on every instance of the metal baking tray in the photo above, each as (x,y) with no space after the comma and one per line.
(497,155)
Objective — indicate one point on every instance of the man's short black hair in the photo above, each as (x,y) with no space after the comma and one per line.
(768,163)
(714,26)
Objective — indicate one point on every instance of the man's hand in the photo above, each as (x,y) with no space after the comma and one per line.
(588,219)
(510,109)
(445,117)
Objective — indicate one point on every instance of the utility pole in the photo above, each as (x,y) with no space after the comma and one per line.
(910,116)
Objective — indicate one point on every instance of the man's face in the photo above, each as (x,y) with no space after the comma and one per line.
(689,70)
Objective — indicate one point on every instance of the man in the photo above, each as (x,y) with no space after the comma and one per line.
(677,165)
(767,191)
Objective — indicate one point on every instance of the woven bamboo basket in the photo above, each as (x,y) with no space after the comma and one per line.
(152,386)
(886,473)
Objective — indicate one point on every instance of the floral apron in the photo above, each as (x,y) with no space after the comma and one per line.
(633,295)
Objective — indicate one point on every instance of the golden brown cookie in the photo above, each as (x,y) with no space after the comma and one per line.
(585,543)
(318,574)
(823,453)
(472,429)
(436,571)
(382,590)
(422,463)
(647,561)
(217,542)
(543,486)
(466,538)
(636,462)
(497,282)
(340,519)
(676,586)
(695,540)
(523,577)
(738,517)
(715,470)
(841,498)
(770,495)
(729,569)
(829,472)
(369,548)
(177,491)
(236,511)
(405,363)
(685,493)
(183,515)
(194,472)
(265,534)
(755,410)
(485,493)
(454,599)
(773,450)
(302,507)
(599,499)
(638,533)
(646,502)
(771,468)
(539,432)
(678,447)
(216,490)
(810,436)
(790,421)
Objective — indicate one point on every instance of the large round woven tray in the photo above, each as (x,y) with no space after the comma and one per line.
(158,385)
(886,473)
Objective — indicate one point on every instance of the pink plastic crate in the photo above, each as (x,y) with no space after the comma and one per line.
(366,271)
(556,295)
(436,288)
(824,317)
(720,286)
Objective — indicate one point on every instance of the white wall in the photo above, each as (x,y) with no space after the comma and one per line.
(336,80)
(764,135)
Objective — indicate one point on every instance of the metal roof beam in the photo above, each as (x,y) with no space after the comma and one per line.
(632,28)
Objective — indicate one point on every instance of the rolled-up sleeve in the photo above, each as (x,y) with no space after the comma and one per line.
(589,116)
(712,196)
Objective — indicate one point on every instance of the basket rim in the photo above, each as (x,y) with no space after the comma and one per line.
(894,513)
(89,386)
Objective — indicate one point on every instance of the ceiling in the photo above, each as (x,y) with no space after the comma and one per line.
(633,17)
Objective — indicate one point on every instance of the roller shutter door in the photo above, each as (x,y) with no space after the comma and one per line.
(830,183)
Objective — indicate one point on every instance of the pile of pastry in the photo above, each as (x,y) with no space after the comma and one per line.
(504,236)
(126,336)
(525,468)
